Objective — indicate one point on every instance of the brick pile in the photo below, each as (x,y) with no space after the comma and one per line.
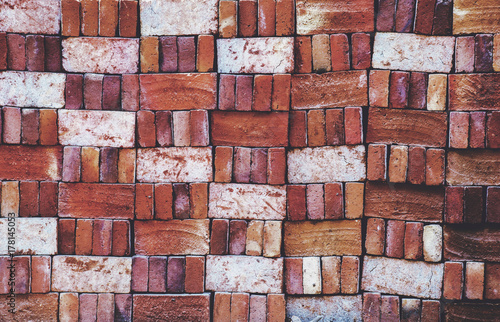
(251,160)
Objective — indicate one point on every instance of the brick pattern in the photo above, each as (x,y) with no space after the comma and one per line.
(251,160)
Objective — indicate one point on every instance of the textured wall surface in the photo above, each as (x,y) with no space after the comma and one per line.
(251,160)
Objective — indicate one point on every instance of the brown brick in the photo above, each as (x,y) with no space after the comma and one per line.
(181,201)
(126,166)
(109,165)
(276,166)
(149,55)
(443,18)
(483,55)
(239,306)
(16,48)
(379,88)
(385,15)
(395,238)
(30,120)
(164,128)
(276,307)
(92,91)
(354,196)
(454,210)
(464,96)
(456,311)
(459,130)
(389,309)
(90,17)
(353,125)
(453,280)
(377,162)
(108,17)
(33,162)
(321,53)
(70,12)
(205,56)
(266,18)
(144,197)
(168,54)
(493,130)
(187,54)
(146,129)
(296,202)
(247,18)
(258,305)
(74,91)
(285,17)
(416,165)
(349,278)
(130,92)
(464,54)
(331,274)
(471,243)
(66,236)
(163,201)
(227,19)
(303,54)
(262,92)
(223,164)
(493,205)
(298,125)
(102,237)
(198,199)
(425,16)
(435,162)
(339,48)
(219,239)
(195,274)
(473,205)
(404,16)
(398,92)
(111,93)
(474,280)
(83,238)
(157,274)
(244,92)
(258,168)
(293,276)
(139,275)
(48,199)
(242,164)
(398,163)
(361,51)
(315,202)
(71,164)
(3,51)
(35,53)
(123,307)
(413,243)
(222,306)
(90,164)
(334,201)
(335,134)
(479,167)
(254,242)
(128,18)
(375,236)
(492,281)
(431,310)
(237,237)
(417,96)
(176,274)
(371,307)
(28,201)
(316,135)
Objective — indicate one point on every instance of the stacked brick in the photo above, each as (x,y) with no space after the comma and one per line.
(251,160)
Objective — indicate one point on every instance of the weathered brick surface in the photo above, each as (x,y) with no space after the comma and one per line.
(29,17)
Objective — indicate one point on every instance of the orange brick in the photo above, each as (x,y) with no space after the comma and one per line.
(247,18)
(398,163)
(354,196)
(126,166)
(90,17)
(331,274)
(285,17)
(267,18)
(222,307)
(474,280)
(227,19)
(281,92)
(102,237)
(276,166)
(376,162)
(163,201)
(83,239)
(121,238)
(262,92)
(434,172)
(453,280)
(144,197)
(195,274)
(276,307)
(150,55)
(339,49)
(379,88)
(90,164)
(349,276)
(70,12)
(223,163)
(205,56)
(240,306)
(198,194)
(303,54)
(316,135)
(108,17)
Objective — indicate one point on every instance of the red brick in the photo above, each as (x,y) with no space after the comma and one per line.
(33,162)
(477,129)
(493,205)
(176,274)
(267,18)
(48,199)
(195,274)
(404,16)
(492,281)
(453,280)
(276,166)
(123,307)
(163,201)
(128,18)
(181,125)
(434,173)
(30,126)
(227,19)
(105,306)
(417,96)
(237,237)
(353,125)
(187,54)
(443,18)
(431,311)
(389,309)
(198,199)
(35,53)
(483,55)
(303,54)
(276,307)
(474,280)
(181,201)
(293,276)
(205,56)
(414,240)
(111,93)
(298,126)
(199,128)
(90,17)
(386,15)
(223,163)
(149,55)
(157,282)
(140,273)
(398,92)
(101,237)
(315,200)
(28,204)
(371,307)
(398,163)
(416,165)
(219,238)
(321,53)
(464,96)
(71,164)
(83,238)
(334,201)
(22,277)
(222,307)
(242,164)
(172,307)
(335,127)
(11,125)
(108,18)
(316,135)
(244,92)
(164,128)
(247,18)
(240,306)
(249,129)
(361,51)
(130,92)
(375,236)
(3,51)
(258,305)
(473,205)
(281,92)
(379,88)
(493,130)
(146,129)
(74,91)
(66,236)
(395,238)
(227,92)
(459,130)
(339,49)
(40,274)
(109,165)
(126,166)
(262,91)
(296,202)
(168,54)
(285,17)
(70,12)
(424,16)
(464,54)
(144,197)
(16,47)
(376,163)
(349,278)
(454,205)
(258,169)
(92,91)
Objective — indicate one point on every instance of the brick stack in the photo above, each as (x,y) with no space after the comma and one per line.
(251,160)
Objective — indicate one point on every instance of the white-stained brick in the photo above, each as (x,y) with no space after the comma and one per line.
(331,308)
(433,243)
(311,274)
(30,17)
(33,236)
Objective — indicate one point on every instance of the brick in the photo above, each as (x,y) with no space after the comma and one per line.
(48,127)
(30,122)
(71,164)
(227,19)
(379,88)
(83,236)
(316,135)
(311,165)
(404,202)
(375,236)
(157,272)
(395,238)
(398,163)
(239,306)
(223,164)
(293,276)
(146,129)
(176,274)
(496,53)
(339,48)
(198,199)
(493,131)
(361,51)
(126,166)
(32,163)
(123,307)
(89,17)
(303,54)
(74,91)
(34,236)
(244,92)
(463,95)
(10,198)
(70,12)
(16,48)
(164,128)
(166,162)
(391,51)
(417,96)
(492,276)
(473,205)
(398,92)
(102,237)
(377,162)
(178,91)
(424,17)
(254,242)
(266,18)
(242,164)
(433,243)
(296,202)
(298,126)
(35,306)
(109,165)
(255,55)
(128,18)
(262,91)
(48,199)
(459,130)
(3,51)
(140,273)
(92,91)
(474,280)
(464,54)
(32,18)
(276,166)
(353,125)
(354,195)
(195,274)
(310,238)
(416,165)
(331,274)
(111,93)
(163,201)
(181,201)
(247,18)
(281,92)
(108,17)
(330,307)
(472,168)
(40,274)
(106,307)
(227,92)
(311,272)
(493,205)
(186,50)
(90,164)
(337,89)
(389,310)
(68,307)
(468,311)
(404,16)
(205,55)
(53,52)
(261,275)
(272,239)
(470,243)
(12,125)
(454,210)
(183,236)
(172,307)
(35,53)
(321,53)
(371,306)
(410,309)
(249,129)
(285,20)
(254,201)
(436,92)
(258,304)
(334,17)
(386,15)
(28,203)
(443,18)
(453,280)
(483,18)
(258,169)
(315,202)
(392,126)
(222,306)
(334,127)
(168,54)
(144,197)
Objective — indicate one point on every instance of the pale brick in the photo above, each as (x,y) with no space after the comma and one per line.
(100,55)
(476,16)
(433,243)
(10,199)
(436,92)
(68,307)
(402,277)
(34,236)
(496,53)
(96,128)
(33,17)
(473,167)
(32,89)
(183,164)
(244,274)
(247,201)
(311,274)
(331,308)
(272,239)
(172,17)
(404,51)
(255,55)
(91,274)
(254,240)
(327,164)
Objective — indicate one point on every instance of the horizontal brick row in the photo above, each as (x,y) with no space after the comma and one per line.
(470,280)
(248,307)
(377,307)
(474,130)
(468,205)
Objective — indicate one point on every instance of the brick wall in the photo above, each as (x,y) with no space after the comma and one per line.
(251,160)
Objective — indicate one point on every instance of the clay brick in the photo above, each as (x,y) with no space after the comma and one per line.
(258,168)
(470,243)
(334,126)
(74,91)
(181,201)
(464,96)
(157,282)
(66,236)
(30,121)
(477,168)
(88,307)
(377,162)
(16,48)
(262,92)
(496,53)
(395,238)
(316,135)
(413,243)
(410,309)
(453,280)
(371,307)
(416,165)
(303,54)
(436,92)
(240,306)
(164,128)
(349,276)
(172,307)
(126,166)
(473,205)
(454,210)
(398,93)
(186,49)
(109,165)
(144,197)
(424,16)
(321,53)
(334,201)
(48,199)
(379,88)
(68,307)
(71,164)
(258,305)
(35,53)
(140,273)
(90,17)
(404,16)
(244,92)
(276,166)
(493,130)
(254,242)
(222,306)
(227,92)
(70,12)
(11,125)
(276,307)
(33,163)
(353,125)
(483,56)
(492,276)
(195,274)
(285,17)
(385,15)
(464,54)
(293,276)
(361,50)
(3,51)
(389,310)
(198,199)
(354,193)
(168,54)
(163,201)
(102,237)
(130,92)
(90,164)
(146,129)
(281,92)
(28,203)
(176,274)
(247,18)
(223,164)
(92,91)
(443,18)
(398,163)
(435,162)
(433,243)
(111,93)
(108,17)
(331,274)
(149,55)
(459,130)
(128,18)
(493,205)
(375,236)
(205,56)
(237,236)
(40,274)
(298,125)
(105,307)
(272,239)
(474,280)
(242,164)
(266,18)
(296,202)
(83,238)
(227,19)
(48,127)
(417,96)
